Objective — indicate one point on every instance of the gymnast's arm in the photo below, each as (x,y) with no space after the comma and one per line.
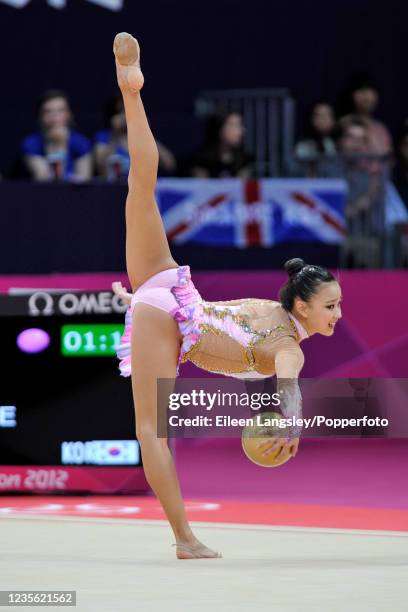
(289,361)
(288,364)
(118,288)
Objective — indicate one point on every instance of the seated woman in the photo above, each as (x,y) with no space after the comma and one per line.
(319,135)
(222,153)
(168,322)
(56,151)
(111,151)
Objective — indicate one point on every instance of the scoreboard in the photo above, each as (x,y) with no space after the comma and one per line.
(66,415)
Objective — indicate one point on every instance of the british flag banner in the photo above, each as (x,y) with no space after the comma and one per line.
(244,213)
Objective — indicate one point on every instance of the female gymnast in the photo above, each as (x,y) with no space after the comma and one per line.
(168,322)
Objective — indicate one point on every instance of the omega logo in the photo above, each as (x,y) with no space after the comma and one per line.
(103,302)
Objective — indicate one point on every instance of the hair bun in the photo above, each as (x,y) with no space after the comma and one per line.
(293,266)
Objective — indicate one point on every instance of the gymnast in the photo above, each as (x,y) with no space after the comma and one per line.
(168,323)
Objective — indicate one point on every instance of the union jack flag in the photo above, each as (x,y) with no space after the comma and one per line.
(227,212)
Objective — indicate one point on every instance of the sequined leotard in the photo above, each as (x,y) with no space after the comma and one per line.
(241,338)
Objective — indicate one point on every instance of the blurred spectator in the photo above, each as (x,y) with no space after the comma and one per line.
(167,161)
(361,172)
(364,101)
(319,134)
(56,151)
(400,172)
(222,153)
(111,146)
(365,198)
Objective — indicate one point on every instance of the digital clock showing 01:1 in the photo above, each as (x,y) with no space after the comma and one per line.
(99,340)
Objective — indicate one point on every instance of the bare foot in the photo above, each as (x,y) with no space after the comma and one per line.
(195,550)
(127,55)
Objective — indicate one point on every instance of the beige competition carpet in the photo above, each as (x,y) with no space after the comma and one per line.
(129,565)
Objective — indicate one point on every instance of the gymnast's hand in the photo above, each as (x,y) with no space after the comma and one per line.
(122,292)
(284,446)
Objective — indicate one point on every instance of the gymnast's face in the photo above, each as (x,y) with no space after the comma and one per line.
(321,313)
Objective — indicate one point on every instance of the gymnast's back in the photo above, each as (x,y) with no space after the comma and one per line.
(241,338)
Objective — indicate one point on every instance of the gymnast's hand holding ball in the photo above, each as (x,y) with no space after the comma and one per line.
(279,447)
(265,445)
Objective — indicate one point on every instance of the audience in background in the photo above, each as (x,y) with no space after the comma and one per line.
(167,161)
(357,148)
(223,153)
(362,173)
(364,101)
(353,137)
(56,151)
(111,152)
(364,204)
(319,134)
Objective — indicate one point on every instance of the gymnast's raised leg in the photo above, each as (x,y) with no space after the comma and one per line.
(155,334)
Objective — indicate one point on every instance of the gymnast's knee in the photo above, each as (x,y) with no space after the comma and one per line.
(147,435)
(143,181)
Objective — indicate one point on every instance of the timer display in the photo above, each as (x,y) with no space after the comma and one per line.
(97,340)
(62,405)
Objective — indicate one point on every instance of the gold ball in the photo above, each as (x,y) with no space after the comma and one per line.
(261,429)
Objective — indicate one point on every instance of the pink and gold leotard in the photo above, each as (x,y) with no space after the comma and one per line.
(240,338)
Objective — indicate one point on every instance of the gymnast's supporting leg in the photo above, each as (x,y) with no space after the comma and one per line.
(155,348)
(155,335)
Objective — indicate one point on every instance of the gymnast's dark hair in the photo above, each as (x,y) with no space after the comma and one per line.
(303,282)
